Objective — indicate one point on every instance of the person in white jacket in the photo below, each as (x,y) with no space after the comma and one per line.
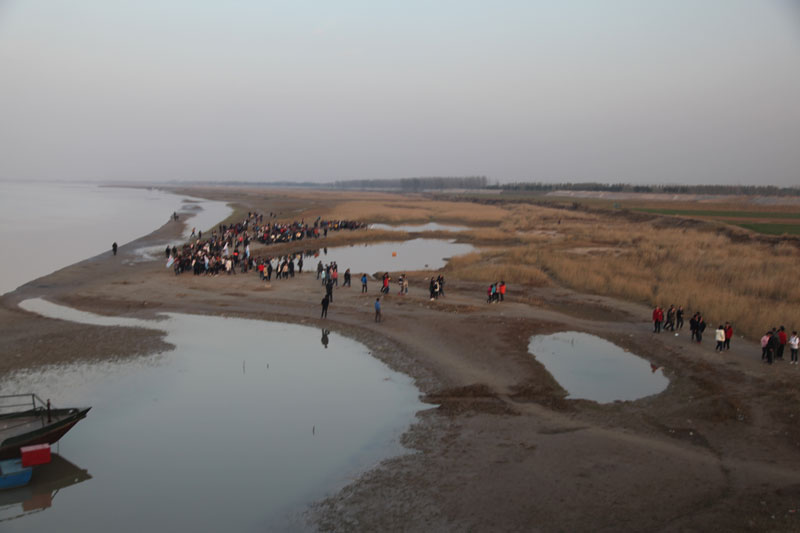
(794,343)
(719,335)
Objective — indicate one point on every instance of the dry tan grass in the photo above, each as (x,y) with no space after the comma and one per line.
(493,266)
(401,210)
(753,285)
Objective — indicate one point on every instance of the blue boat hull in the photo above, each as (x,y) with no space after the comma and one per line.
(13,474)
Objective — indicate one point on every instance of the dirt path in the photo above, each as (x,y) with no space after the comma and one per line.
(501,448)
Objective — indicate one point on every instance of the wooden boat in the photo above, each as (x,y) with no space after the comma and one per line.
(26,420)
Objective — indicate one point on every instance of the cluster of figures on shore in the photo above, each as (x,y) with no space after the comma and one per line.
(697,325)
(228,247)
(496,292)
(774,342)
(227,250)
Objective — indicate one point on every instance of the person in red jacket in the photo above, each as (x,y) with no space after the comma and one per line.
(728,335)
(781,342)
(658,317)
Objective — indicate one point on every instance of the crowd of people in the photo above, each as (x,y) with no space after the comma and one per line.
(227,248)
(673,320)
(496,292)
(773,345)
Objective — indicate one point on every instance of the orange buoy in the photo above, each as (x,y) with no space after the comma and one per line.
(394,254)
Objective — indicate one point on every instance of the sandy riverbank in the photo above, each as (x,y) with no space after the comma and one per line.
(500,448)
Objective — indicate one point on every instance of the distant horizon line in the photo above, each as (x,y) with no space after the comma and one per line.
(340,183)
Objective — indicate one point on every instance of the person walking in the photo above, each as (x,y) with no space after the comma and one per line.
(728,335)
(679,317)
(114,248)
(378,309)
(773,347)
(329,289)
(502,291)
(319,269)
(701,327)
(325,302)
(363,283)
(719,336)
(346,278)
(765,345)
(386,280)
(658,316)
(794,344)
(669,324)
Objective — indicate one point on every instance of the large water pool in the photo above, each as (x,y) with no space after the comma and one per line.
(592,368)
(238,429)
(412,228)
(415,254)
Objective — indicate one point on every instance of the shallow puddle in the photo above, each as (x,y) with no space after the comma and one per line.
(592,368)
(430,226)
(395,257)
(238,429)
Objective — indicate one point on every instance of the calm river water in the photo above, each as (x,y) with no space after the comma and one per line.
(47,226)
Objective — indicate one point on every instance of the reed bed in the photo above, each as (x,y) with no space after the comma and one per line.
(401,210)
(753,285)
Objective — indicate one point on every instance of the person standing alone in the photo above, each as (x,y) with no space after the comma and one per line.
(325,303)
(377,309)
(114,248)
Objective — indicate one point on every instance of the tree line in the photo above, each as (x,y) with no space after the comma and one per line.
(748,190)
(416,184)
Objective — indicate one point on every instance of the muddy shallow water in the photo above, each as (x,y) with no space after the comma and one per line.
(591,368)
(239,428)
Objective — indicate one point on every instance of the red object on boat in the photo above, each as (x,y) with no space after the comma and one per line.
(38,454)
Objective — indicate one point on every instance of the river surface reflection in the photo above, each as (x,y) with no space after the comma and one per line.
(591,368)
(430,226)
(415,254)
(238,429)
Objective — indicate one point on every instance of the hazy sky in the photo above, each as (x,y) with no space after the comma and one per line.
(640,91)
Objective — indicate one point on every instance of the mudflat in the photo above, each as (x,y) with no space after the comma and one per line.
(501,448)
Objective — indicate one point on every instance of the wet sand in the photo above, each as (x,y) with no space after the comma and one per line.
(500,449)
